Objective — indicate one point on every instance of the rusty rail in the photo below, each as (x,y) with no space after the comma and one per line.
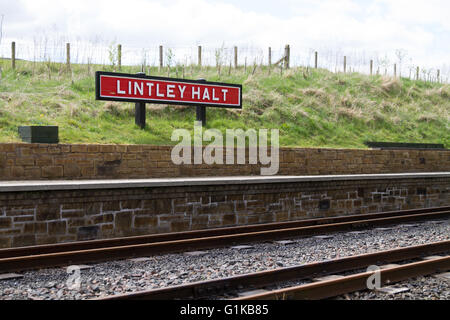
(127,251)
(332,288)
(154,238)
(265,278)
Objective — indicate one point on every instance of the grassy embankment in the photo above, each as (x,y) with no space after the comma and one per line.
(311,108)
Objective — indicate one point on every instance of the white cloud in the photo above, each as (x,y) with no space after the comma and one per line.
(420,27)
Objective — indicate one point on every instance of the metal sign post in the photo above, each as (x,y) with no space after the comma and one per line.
(201,115)
(201,111)
(139,111)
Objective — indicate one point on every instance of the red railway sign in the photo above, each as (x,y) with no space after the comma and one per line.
(149,89)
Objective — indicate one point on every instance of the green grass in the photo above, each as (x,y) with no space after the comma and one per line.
(311,108)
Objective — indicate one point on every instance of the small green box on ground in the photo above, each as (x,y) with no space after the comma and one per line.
(39,134)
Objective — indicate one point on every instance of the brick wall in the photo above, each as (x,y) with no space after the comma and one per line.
(38,217)
(21,161)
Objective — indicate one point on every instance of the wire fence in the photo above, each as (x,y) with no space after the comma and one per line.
(98,52)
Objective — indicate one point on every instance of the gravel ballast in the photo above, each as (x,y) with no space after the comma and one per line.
(423,288)
(117,277)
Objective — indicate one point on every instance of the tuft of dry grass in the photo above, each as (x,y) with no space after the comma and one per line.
(341,82)
(290,73)
(347,101)
(299,111)
(444,91)
(313,92)
(182,108)
(250,81)
(428,117)
(16,102)
(73,110)
(258,99)
(350,113)
(156,107)
(113,108)
(391,85)
(66,94)
(413,92)
(5,96)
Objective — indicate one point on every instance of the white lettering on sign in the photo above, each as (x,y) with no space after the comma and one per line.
(129,87)
(214,95)
(182,88)
(225,94)
(118,88)
(195,93)
(206,94)
(170,88)
(149,85)
(139,88)
(158,94)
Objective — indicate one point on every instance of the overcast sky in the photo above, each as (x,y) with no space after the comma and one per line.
(421,27)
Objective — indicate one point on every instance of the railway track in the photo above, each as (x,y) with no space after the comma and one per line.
(44,256)
(234,286)
(347,284)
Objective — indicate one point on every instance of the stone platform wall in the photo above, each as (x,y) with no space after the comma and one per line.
(22,161)
(39,217)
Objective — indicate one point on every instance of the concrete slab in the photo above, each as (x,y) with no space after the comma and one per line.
(436,221)
(252,292)
(390,265)
(432,257)
(38,185)
(284,242)
(323,237)
(81,266)
(444,276)
(393,290)
(195,253)
(9,276)
(242,247)
(142,259)
(330,277)
(356,232)
(409,225)
(383,229)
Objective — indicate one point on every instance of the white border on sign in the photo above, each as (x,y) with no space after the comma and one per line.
(177,82)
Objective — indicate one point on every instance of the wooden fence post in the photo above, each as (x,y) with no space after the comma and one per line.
(235,57)
(287,55)
(160,57)
(270,57)
(437,75)
(119,56)
(345,64)
(417,73)
(395,70)
(315,59)
(68,55)
(200,56)
(371,67)
(13,55)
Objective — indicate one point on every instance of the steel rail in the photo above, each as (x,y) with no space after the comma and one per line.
(122,252)
(347,284)
(203,289)
(162,237)
(103,254)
